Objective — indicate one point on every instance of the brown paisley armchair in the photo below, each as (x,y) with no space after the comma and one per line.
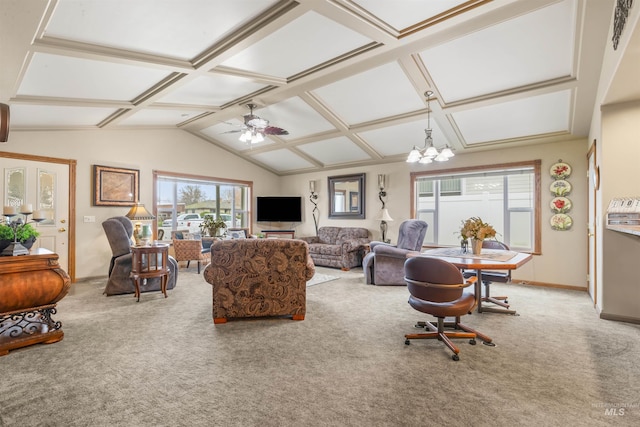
(259,277)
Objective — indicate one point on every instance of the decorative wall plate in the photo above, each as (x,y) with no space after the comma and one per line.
(560,187)
(560,204)
(561,222)
(560,170)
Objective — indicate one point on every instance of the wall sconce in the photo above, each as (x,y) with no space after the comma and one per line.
(384,216)
(382,185)
(312,198)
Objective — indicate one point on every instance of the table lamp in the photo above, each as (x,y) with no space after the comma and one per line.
(141,233)
(383,217)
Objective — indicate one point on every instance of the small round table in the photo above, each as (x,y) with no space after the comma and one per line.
(148,262)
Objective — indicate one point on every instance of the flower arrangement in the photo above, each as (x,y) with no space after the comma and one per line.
(476,228)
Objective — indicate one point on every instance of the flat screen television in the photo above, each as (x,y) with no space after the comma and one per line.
(279,209)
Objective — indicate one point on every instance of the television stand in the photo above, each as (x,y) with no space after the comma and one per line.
(279,234)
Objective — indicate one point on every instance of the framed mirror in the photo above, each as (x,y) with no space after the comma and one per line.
(346,196)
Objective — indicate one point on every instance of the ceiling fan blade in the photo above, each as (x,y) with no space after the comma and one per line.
(233,131)
(273,130)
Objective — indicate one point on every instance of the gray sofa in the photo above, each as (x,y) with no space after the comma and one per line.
(339,247)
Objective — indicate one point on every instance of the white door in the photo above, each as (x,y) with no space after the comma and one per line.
(44,186)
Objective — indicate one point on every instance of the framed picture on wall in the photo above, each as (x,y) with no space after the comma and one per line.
(115,186)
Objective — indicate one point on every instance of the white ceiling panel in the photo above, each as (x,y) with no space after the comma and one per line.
(537,115)
(402,14)
(380,92)
(297,117)
(305,42)
(158,117)
(331,73)
(526,49)
(334,151)
(282,160)
(400,139)
(143,25)
(216,90)
(66,77)
(57,116)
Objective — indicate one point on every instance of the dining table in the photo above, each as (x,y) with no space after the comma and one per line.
(488,259)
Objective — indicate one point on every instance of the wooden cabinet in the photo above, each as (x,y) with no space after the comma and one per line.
(30,287)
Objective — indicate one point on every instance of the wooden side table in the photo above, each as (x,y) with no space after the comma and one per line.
(149,262)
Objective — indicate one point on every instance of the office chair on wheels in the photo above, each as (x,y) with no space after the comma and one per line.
(436,287)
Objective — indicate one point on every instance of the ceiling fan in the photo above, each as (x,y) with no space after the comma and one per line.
(255,128)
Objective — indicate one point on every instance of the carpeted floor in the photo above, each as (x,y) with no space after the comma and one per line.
(320,278)
(162,362)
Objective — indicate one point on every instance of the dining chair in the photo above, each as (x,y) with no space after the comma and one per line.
(437,287)
(190,250)
(489,276)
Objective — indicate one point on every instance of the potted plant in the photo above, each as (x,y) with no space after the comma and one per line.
(26,235)
(477,230)
(212,225)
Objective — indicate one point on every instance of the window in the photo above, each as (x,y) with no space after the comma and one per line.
(182,201)
(507,196)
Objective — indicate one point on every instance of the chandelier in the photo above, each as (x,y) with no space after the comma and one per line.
(429,153)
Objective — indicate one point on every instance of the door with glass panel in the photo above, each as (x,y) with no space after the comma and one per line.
(44,187)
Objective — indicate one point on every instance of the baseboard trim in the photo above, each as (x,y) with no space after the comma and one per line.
(618,318)
(548,285)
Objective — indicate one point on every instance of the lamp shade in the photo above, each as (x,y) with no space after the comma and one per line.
(384,215)
(138,213)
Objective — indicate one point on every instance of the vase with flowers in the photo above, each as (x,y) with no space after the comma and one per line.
(477,230)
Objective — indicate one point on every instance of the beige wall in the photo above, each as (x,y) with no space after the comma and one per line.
(563,259)
(564,253)
(146,150)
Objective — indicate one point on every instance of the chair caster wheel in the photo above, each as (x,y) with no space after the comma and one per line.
(407,342)
(472,342)
(489,344)
(455,357)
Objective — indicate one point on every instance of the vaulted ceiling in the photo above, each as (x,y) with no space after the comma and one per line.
(345,78)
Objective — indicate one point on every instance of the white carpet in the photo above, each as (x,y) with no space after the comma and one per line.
(320,278)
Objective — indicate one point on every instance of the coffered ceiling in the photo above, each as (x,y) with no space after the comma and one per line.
(345,78)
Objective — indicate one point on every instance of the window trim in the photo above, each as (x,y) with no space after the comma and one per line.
(535,164)
(221,181)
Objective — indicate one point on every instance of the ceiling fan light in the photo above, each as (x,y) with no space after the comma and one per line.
(243,137)
(426,160)
(257,138)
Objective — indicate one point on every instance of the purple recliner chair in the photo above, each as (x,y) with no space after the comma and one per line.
(384,264)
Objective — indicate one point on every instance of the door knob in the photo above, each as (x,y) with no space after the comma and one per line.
(590,234)
(62,230)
